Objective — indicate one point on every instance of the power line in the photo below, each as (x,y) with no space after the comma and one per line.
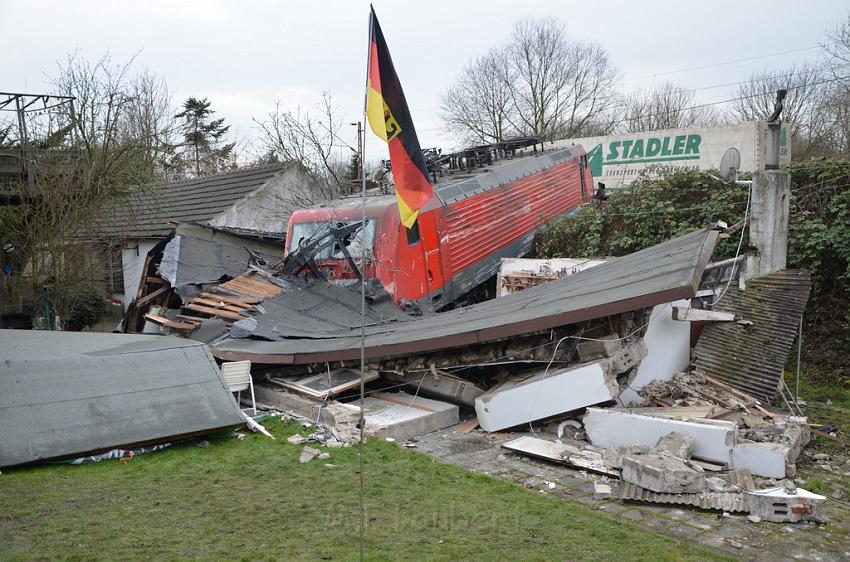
(712,65)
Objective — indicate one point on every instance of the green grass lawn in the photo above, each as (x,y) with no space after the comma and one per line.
(252,500)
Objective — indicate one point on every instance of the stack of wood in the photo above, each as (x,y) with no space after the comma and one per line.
(230,301)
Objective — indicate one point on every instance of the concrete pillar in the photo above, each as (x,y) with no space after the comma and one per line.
(769,216)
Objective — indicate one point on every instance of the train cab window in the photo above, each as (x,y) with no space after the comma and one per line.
(413,234)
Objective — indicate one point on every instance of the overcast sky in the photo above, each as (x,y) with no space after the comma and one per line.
(246,55)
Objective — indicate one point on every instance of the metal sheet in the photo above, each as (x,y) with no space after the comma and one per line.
(663,273)
(63,393)
(752,357)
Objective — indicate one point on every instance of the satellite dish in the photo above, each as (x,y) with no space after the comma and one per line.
(729,165)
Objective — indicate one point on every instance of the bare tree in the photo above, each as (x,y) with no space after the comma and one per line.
(837,105)
(478,107)
(122,122)
(538,83)
(666,107)
(558,85)
(311,139)
(803,105)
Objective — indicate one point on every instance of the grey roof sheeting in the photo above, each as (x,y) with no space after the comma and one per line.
(663,273)
(752,357)
(66,393)
(199,254)
(146,214)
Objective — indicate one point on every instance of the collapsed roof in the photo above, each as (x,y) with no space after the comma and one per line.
(663,273)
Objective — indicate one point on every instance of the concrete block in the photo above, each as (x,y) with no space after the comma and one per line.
(601,491)
(771,460)
(677,445)
(308,454)
(781,506)
(441,386)
(621,428)
(402,416)
(603,347)
(662,473)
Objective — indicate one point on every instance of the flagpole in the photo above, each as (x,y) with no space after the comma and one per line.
(362,421)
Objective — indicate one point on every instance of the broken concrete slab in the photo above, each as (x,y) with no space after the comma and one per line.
(544,394)
(677,445)
(401,416)
(621,428)
(586,458)
(296,439)
(719,501)
(605,346)
(771,460)
(441,385)
(308,454)
(601,491)
(668,345)
(662,473)
(780,506)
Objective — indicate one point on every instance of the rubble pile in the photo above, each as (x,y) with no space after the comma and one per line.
(696,442)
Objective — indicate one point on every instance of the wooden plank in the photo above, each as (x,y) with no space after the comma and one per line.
(229,300)
(171,324)
(214,311)
(467,426)
(219,292)
(216,304)
(139,303)
(143,281)
(156,281)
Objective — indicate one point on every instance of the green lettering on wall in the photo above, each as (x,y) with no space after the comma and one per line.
(665,149)
(612,151)
(679,144)
(692,147)
(653,147)
(637,149)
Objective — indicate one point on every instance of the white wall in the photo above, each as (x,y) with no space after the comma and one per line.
(132,260)
(266,210)
(668,346)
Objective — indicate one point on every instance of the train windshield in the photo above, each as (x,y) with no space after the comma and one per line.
(305,232)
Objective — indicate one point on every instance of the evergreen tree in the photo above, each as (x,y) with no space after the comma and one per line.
(205,150)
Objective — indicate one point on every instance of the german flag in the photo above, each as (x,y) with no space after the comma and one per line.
(386,110)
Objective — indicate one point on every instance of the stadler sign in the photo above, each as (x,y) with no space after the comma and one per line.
(617,160)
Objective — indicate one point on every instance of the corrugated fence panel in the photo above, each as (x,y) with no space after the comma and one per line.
(752,357)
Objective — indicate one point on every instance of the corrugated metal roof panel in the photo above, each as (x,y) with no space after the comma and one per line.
(752,357)
(67,393)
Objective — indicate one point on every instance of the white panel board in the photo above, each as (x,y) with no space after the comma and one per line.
(619,428)
(516,402)
(668,345)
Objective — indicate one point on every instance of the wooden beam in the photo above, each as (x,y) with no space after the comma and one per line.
(139,303)
(230,300)
(171,324)
(218,305)
(214,311)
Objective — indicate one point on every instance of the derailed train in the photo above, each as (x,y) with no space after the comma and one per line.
(477,216)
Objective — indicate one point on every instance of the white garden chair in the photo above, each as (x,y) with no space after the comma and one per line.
(237,377)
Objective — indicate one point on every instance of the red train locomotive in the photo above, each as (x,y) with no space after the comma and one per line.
(477,216)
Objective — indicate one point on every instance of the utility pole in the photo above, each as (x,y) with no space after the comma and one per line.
(770,204)
(362,166)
